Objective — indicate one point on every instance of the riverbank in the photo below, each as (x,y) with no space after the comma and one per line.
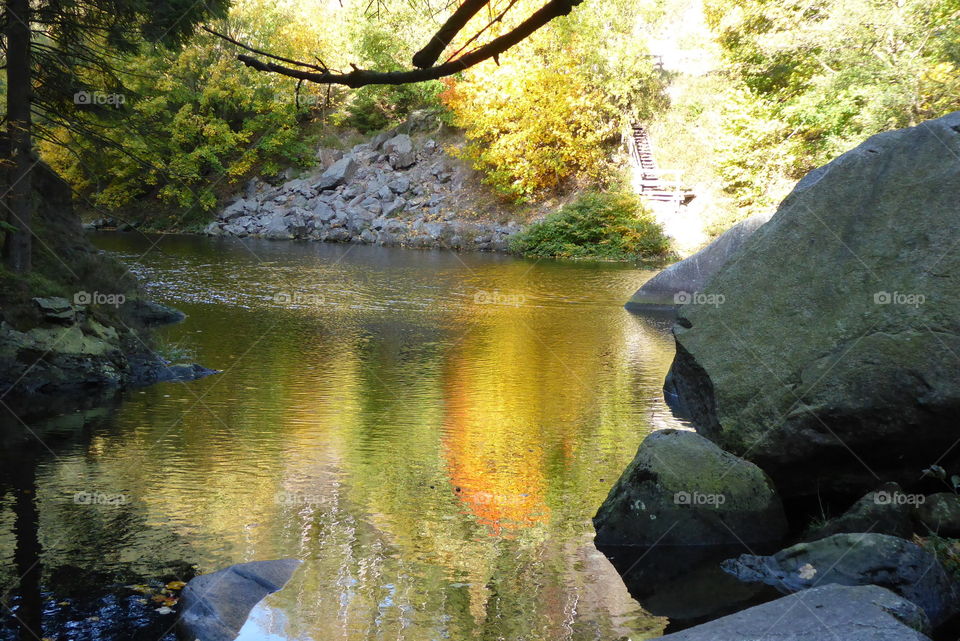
(79,324)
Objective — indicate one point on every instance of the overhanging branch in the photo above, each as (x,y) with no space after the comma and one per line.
(362,77)
(428,56)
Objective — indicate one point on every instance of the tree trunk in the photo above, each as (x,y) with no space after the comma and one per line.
(19,196)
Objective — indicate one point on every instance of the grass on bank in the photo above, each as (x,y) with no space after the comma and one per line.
(607,226)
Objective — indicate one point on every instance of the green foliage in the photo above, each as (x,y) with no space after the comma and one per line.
(552,109)
(612,226)
(811,80)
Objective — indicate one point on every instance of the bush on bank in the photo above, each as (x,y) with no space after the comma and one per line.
(610,226)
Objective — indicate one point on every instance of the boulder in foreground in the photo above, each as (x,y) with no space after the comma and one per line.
(685,279)
(681,489)
(857,559)
(866,613)
(216,605)
(831,361)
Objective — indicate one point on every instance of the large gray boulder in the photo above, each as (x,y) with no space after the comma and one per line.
(400,152)
(834,612)
(215,606)
(681,281)
(832,360)
(856,559)
(337,174)
(681,489)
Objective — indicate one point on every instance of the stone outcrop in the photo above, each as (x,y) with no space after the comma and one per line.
(681,489)
(939,514)
(831,361)
(867,613)
(857,559)
(391,191)
(215,606)
(888,510)
(681,281)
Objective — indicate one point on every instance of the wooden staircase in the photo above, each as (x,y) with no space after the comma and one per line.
(654,182)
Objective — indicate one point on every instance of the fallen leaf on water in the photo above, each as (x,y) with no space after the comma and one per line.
(164,610)
(142,589)
(64,603)
(176,585)
(93,618)
(807,571)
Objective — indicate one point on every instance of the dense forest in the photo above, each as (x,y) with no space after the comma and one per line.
(786,86)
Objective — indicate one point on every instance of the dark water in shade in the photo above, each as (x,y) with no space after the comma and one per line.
(430,432)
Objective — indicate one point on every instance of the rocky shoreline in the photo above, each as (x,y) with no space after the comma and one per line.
(395,190)
(816,360)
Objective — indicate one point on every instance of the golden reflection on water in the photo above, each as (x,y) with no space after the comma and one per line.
(433,458)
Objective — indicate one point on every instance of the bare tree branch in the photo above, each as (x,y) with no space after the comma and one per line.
(263,53)
(429,55)
(362,77)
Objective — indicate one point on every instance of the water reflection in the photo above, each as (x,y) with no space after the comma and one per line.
(429,432)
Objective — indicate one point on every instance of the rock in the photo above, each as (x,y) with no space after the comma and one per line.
(57,310)
(368,237)
(400,153)
(276,227)
(679,282)
(323,212)
(337,174)
(326,157)
(834,612)
(380,138)
(940,514)
(153,314)
(888,510)
(237,208)
(215,606)
(856,559)
(213,229)
(182,373)
(681,489)
(391,207)
(831,361)
(400,186)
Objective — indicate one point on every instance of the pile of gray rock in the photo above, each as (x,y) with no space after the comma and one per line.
(391,191)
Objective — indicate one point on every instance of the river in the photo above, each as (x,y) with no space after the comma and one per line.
(430,432)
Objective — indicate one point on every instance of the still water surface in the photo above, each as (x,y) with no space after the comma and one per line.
(430,432)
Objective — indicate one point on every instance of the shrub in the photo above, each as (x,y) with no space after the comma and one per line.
(611,226)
